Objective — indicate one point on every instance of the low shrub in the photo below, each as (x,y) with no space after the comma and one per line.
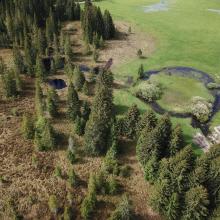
(71,157)
(89,202)
(68,213)
(58,171)
(201,109)
(151,92)
(213,86)
(123,210)
(53,204)
(125,171)
(113,186)
(110,164)
(72,178)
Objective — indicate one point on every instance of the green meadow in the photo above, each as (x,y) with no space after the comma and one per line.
(177,92)
(185,35)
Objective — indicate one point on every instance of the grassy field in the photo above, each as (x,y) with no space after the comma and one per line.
(185,35)
(176,93)
(188,34)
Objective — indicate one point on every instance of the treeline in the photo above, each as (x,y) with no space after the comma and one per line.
(20,18)
(95,24)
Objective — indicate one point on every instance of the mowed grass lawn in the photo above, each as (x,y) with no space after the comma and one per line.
(186,35)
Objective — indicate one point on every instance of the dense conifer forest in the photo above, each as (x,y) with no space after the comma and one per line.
(72,155)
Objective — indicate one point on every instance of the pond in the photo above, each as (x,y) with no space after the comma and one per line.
(57,83)
(214,10)
(161,6)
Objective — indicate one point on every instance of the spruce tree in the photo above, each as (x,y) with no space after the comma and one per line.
(200,175)
(147,145)
(68,48)
(148,120)
(109,26)
(58,172)
(99,124)
(95,55)
(86,89)
(151,168)
(88,23)
(79,79)
(85,110)
(159,196)
(164,130)
(141,72)
(18,60)
(196,204)
(72,150)
(44,135)
(3,67)
(39,106)
(77,11)
(50,28)
(52,100)
(72,178)
(105,78)
(173,207)
(123,210)
(139,53)
(96,40)
(53,68)
(53,204)
(68,213)
(73,103)
(100,25)
(57,60)
(89,202)
(27,127)
(29,56)
(177,141)
(80,124)
(9,25)
(210,163)
(40,69)
(101,42)
(69,70)
(18,80)
(131,121)
(41,42)
(9,84)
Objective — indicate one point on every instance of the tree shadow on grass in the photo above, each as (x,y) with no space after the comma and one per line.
(121,109)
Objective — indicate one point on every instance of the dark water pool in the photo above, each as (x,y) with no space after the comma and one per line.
(57,83)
